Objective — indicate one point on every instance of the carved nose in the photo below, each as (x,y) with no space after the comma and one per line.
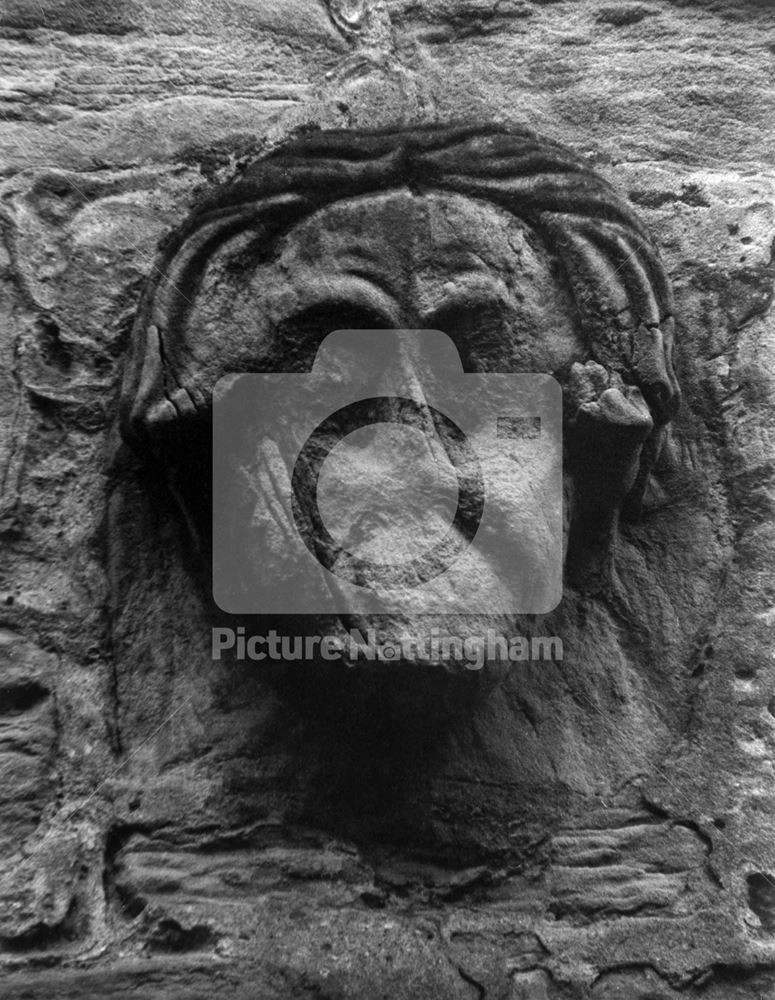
(411,378)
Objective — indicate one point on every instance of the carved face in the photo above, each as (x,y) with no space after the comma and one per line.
(514,296)
(395,260)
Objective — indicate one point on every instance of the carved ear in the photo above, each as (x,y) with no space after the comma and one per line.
(611,268)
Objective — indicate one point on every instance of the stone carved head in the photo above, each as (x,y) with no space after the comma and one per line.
(508,243)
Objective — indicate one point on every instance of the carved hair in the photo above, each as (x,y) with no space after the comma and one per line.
(581,220)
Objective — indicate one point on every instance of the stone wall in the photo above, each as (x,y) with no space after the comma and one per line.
(600,828)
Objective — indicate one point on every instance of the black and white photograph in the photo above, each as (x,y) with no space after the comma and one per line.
(387,500)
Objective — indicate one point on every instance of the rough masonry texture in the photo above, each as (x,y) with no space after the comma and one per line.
(602,827)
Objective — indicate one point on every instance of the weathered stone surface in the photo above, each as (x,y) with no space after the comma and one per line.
(28,738)
(173,827)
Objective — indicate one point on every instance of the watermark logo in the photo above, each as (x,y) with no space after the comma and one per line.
(387,480)
(367,646)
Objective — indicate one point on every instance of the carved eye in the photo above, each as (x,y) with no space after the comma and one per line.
(478,329)
(298,338)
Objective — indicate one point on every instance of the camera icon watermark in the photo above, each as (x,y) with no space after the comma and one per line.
(387,480)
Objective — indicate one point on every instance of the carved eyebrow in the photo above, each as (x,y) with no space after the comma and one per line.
(474,302)
(371,276)
(325,288)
